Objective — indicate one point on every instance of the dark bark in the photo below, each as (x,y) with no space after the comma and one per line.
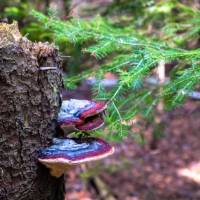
(30,84)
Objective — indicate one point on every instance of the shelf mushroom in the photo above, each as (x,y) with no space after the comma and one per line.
(73,151)
(81,115)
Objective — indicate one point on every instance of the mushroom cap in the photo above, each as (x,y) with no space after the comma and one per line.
(72,151)
(79,113)
(97,108)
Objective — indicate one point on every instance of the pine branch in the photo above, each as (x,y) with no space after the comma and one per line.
(133,59)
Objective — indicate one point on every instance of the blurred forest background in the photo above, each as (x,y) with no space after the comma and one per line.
(143,57)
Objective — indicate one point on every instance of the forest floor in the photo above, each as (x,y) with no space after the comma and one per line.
(171,171)
(135,172)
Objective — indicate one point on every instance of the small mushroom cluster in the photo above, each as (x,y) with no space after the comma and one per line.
(80,115)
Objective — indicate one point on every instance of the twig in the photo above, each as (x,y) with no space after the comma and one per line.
(47,68)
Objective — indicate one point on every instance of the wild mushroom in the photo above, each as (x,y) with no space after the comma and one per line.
(82,115)
(73,151)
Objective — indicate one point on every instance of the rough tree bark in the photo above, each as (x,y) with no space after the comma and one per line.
(30,84)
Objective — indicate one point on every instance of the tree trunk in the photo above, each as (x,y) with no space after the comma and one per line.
(30,84)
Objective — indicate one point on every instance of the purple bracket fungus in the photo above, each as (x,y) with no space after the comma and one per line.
(73,151)
(82,115)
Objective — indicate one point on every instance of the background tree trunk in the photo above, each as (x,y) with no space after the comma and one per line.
(30,84)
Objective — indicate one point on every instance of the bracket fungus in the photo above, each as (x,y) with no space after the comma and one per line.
(73,151)
(82,115)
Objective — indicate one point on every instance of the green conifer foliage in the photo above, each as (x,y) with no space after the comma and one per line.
(132,56)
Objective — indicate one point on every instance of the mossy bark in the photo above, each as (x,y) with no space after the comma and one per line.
(30,84)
